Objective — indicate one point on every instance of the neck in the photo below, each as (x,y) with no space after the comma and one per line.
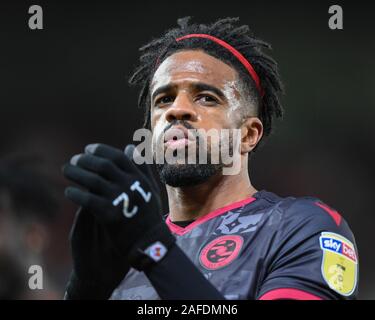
(192,202)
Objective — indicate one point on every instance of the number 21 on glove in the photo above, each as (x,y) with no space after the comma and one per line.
(136,186)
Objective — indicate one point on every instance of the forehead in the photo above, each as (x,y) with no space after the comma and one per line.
(194,65)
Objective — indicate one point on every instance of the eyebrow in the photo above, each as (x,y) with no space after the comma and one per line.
(162,89)
(197,86)
(200,86)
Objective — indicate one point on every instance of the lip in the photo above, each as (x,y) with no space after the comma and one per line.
(179,132)
(177,143)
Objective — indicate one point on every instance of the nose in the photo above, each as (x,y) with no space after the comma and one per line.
(181,109)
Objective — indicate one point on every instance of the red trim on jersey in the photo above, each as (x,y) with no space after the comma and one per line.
(181,230)
(288,293)
(333,213)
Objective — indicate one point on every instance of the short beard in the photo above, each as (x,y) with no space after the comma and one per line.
(185,175)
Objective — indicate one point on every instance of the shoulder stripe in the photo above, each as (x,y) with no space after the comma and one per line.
(333,213)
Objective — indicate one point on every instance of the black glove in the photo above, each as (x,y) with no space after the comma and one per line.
(123,200)
(97,267)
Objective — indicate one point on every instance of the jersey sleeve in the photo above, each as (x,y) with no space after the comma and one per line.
(177,278)
(314,256)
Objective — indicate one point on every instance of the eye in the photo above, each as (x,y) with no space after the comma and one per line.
(207,99)
(164,100)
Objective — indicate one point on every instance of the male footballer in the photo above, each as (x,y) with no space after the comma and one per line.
(222,238)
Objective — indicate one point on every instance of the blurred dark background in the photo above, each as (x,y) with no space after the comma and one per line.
(66,86)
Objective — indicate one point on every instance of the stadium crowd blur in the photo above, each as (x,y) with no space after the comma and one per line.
(65,87)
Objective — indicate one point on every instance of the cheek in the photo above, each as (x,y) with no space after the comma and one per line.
(222,119)
(155,118)
(234,116)
(157,128)
(216,121)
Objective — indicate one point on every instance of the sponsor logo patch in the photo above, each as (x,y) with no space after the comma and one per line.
(339,263)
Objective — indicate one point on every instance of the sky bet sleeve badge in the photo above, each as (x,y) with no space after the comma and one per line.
(339,263)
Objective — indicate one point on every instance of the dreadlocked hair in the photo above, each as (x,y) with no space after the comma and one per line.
(238,36)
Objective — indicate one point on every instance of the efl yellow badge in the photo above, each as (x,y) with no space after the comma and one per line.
(339,264)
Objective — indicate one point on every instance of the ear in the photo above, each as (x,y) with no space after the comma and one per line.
(251,133)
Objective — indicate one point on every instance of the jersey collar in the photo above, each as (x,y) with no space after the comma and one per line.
(174,228)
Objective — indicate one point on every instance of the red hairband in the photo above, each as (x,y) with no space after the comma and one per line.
(235,52)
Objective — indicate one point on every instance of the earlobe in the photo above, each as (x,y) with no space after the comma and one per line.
(251,133)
